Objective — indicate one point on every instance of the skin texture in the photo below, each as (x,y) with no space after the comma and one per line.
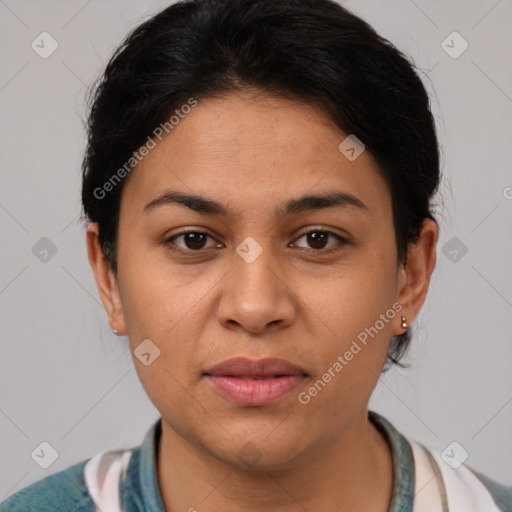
(252,152)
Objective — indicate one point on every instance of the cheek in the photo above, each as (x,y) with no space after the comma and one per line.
(159,306)
(157,296)
(359,293)
(357,310)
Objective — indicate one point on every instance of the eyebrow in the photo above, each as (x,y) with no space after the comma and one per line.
(208,206)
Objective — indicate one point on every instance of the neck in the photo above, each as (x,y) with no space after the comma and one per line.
(331,479)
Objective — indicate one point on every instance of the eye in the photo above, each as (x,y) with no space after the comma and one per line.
(318,239)
(192,240)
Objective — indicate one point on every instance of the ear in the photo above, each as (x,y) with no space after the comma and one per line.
(414,278)
(105,280)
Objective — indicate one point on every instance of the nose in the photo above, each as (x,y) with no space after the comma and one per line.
(256,295)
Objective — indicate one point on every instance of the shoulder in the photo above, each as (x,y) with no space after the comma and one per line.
(61,491)
(502,494)
(466,488)
(444,476)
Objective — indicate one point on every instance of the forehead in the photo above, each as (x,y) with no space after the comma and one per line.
(252,151)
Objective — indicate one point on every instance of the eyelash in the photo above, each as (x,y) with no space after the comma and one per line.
(170,241)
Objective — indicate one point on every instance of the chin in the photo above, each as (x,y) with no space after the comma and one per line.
(266,451)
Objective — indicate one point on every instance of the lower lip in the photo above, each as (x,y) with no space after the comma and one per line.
(255,392)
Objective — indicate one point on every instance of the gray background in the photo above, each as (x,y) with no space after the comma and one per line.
(66,379)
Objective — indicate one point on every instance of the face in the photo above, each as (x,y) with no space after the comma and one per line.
(261,274)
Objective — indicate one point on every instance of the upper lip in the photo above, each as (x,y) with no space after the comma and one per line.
(242,366)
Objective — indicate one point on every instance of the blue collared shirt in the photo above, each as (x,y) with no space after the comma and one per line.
(139,492)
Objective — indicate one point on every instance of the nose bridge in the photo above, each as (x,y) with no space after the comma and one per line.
(255,266)
(254,295)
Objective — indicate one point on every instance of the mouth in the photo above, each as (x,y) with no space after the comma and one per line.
(249,382)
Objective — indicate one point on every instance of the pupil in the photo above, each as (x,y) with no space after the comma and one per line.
(317,238)
(194,238)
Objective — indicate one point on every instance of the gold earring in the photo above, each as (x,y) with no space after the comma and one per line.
(404,323)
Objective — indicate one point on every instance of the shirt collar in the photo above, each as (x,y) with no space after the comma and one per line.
(140,491)
(403,464)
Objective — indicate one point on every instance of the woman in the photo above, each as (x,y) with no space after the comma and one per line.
(257,186)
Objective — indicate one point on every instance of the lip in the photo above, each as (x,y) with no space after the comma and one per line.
(255,382)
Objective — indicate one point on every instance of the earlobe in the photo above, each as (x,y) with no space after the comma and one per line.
(414,278)
(106,281)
